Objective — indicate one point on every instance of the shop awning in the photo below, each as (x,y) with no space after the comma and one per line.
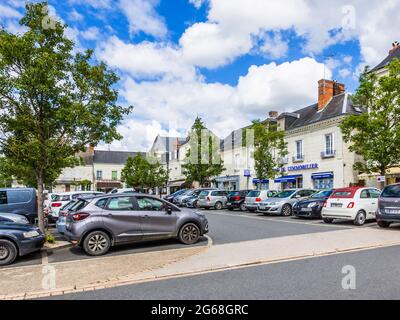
(291,178)
(322,175)
(255,181)
(176,183)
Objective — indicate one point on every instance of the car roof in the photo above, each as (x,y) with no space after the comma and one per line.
(17,189)
(76,192)
(111,195)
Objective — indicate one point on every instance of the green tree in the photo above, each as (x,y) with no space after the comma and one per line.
(203,159)
(269,149)
(5,176)
(141,173)
(53,102)
(375,133)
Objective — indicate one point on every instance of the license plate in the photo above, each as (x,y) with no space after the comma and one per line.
(228,203)
(392,211)
(306,209)
(336,205)
(262,207)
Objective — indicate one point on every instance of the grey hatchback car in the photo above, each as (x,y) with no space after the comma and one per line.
(98,223)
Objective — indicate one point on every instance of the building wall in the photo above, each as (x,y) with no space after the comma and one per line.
(70,176)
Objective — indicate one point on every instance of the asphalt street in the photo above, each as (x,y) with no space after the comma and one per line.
(376,277)
(225,227)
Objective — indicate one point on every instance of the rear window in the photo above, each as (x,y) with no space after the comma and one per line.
(391,192)
(60,197)
(204,193)
(254,193)
(343,194)
(79,205)
(233,193)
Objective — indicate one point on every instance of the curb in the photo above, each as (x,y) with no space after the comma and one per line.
(130,279)
(63,246)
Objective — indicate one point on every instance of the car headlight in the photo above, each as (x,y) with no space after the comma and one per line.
(312,204)
(31,234)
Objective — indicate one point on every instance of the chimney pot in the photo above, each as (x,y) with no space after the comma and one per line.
(273,114)
(395,45)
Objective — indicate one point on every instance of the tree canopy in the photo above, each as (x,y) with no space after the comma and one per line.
(375,133)
(53,101)
(203,159)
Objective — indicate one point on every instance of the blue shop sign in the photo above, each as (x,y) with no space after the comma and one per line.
(247,173)
(299,167)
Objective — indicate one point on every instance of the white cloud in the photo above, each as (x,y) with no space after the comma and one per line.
(97,4)
(344,73)
(145,60)
(91,34)
(8,12)
(75,16)
(224,107)
(197,3)
(273,46)
(207,45)
(142,16)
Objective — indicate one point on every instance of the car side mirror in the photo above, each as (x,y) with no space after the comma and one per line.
(169,210)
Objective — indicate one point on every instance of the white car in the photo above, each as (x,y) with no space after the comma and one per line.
(255,197)
(61,199)
(357,204)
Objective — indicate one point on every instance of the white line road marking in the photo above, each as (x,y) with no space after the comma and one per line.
(45,258)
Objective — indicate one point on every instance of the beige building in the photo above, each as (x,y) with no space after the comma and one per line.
(100,169)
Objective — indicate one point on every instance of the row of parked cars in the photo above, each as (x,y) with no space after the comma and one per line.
(357,204)
(97,221)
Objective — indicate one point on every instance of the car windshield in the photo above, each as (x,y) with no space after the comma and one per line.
(322,194)
(233,193)
(204,193)
(254,193)
(285,194)
(177,193)
(391,191)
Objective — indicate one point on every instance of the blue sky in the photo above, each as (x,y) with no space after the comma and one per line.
(227,61)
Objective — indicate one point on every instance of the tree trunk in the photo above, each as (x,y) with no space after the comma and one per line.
(40,203)
(383,174)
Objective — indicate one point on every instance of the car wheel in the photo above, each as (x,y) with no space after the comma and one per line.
(287,210)
(327,220)
(384,224)
(218,206)
(97,243)
(195,204)
(8,252)
(360,218)
(189,233)
(242,207)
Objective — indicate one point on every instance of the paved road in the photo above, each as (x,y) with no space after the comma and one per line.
(377,275)
(225,227)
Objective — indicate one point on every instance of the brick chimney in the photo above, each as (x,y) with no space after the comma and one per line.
(327,89)
(395,46)
(273,114)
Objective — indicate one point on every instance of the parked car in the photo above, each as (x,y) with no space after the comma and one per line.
(61,199)
(18,239)
(282,203)
(212,199)
(191,200)
(61,221)
(171,197)
(20,201)
(100,222)
(236,200)
(256,196)
(11,217)
(122,190)
(177,200)
(389,206)
(312,206)
(357,204)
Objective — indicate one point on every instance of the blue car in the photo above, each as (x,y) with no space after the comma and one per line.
(62,215)
(18,240)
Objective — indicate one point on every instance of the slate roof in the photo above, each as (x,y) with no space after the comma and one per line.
(113,157)
(339,105)
(394,54)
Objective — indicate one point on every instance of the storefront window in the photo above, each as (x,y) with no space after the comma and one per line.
(322,184)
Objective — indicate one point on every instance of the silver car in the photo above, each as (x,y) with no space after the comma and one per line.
(283,202)
(216,199)
(255,197)
(98,223)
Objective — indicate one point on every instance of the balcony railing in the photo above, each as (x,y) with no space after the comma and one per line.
(328,154)
(298,158)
